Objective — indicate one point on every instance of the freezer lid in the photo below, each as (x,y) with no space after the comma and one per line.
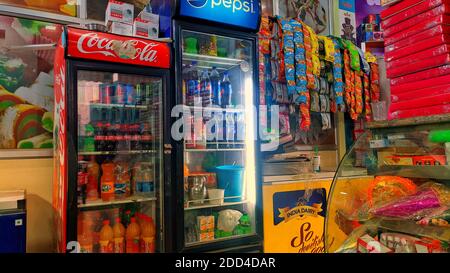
(92,45)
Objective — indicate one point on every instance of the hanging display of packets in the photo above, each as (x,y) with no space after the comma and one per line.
(349,84)
(314,51)
(289,57)
(264,51)
(300,64)
(367,106)
(354,55)
(278,73)
(374,82)
(329,48)
(338,81)
(309,62)
(358,94)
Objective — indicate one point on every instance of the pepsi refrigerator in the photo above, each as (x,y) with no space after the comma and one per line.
(112,99)
(217,182)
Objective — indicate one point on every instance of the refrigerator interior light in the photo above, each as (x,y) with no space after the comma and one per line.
(250,172)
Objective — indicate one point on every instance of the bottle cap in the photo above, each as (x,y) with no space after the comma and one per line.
(133,220)
(105,222)
(117,220)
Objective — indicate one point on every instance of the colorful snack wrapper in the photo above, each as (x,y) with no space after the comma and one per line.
(367,106)
(338,85)
(374,82)
(354,55)
(358,94)
(300,64)
(314,50)
(349,86)
(440,220)
(309,60)
(329,48)
(289,57)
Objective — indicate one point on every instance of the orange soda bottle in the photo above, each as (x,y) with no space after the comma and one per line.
(106,238)
(147,235)
(119,237)
(93,173)
(132,236)
(107,182)
(86,242)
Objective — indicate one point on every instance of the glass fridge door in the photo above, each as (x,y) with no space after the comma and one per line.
(219,140)
(119,163)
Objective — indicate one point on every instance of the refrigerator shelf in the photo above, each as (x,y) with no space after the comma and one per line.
(205,61)
(101,203)
(225,204)
(103,105)
(215,150)
(213,110)
(118,152)
(220,239)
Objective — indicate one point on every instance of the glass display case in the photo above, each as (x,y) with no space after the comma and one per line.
(391,192)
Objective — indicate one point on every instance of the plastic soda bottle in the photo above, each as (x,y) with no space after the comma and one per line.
(107,182)
(132,236)
(106,238)
(193,84)
(215,86)
(119,237)
(86,242)
(206,89)
(93,175)
(122,183)
(147,235)
(225,91)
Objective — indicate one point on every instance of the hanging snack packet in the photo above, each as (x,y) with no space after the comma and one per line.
(374,82)
(358,94)
(309,61)
(367,106)
(337,74)
(354,55)
(329,48)
(289,57)
(300,63)
(349,85)
(314,50)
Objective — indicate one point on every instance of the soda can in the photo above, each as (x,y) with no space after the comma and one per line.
(120,94)
(129,94)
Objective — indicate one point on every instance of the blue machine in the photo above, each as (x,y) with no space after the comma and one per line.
(13,226)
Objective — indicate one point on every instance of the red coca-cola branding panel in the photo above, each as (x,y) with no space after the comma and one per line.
(100,46)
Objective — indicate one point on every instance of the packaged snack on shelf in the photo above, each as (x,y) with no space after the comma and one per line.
(384,189)
(426,92)
(419,65)
(121,28)
(439,217)
(428,196)
(420,38)
(427,245)
(367,244)
(421,79)
(117,11)
(420,112)
(205,226)
(417,19)
(400,243)
(420,27)
(410,12)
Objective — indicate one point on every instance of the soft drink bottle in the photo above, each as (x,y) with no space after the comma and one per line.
(107,182)
(215,86)
(122,183)
(93,173)
(86,242)
(230,129)
(132,236)
(146,137)
(206,89)
(106,238)
(193,90)
(147,234)
(119,237)
(225,91)
(185,73)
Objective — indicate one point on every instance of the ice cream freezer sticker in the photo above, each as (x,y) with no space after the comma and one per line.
(26,85)
(299,216)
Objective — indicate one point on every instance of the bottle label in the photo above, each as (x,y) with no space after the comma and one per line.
(316,163)
(119,245)
(148,245)
(100,138)
(120,188)
(133,245)
(106,247)
(107,188)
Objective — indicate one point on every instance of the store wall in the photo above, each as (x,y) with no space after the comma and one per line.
(34,176)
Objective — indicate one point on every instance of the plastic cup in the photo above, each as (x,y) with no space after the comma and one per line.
(379,110)
(216,196)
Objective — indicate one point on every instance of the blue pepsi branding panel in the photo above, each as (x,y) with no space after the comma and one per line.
(241,13)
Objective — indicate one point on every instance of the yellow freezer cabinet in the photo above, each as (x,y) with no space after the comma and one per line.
(294,213)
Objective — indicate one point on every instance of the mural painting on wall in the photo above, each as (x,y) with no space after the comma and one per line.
(314,13)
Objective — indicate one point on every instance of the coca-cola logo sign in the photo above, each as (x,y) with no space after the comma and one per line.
(91,43)
(115,48)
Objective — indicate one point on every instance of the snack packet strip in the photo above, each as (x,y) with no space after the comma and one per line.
(374,82)
(309,64)
(367,106)
(337,73)
(289,57)
(358,94)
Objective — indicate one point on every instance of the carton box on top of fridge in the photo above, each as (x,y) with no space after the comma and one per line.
(145,28)
(121,28)
(117,11)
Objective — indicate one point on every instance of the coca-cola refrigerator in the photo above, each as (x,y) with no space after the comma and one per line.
(111,97)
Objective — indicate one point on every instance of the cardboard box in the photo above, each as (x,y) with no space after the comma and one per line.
(121,28)
(367,244)
(145,29)
(117,11)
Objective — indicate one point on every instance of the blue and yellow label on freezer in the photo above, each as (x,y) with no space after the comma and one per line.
(294,217)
